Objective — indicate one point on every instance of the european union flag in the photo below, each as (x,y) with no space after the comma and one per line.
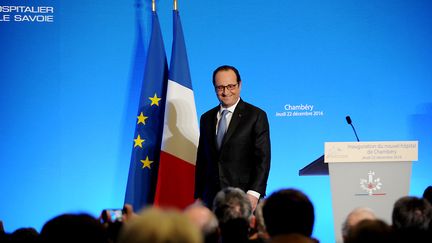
(144,165)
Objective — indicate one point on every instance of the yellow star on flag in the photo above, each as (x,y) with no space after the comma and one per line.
(138,141)
(154,100)
(142,118)
(146,163)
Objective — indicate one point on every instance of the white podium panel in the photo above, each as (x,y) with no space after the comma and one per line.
(365,179)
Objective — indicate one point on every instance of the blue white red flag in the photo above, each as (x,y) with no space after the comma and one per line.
(175,187)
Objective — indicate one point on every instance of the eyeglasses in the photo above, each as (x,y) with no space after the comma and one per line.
(221,88)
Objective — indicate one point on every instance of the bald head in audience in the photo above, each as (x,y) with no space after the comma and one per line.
(205,220)
(354,217)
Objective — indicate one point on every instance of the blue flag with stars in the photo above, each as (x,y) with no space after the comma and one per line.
(144,162)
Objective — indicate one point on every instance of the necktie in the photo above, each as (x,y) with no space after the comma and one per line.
(222,127)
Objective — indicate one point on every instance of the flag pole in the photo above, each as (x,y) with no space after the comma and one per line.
(175,5)
(153,5)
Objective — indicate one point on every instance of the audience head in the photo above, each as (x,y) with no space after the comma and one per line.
(412,218)
(369,231)
(288,211)
(24,235)
(73,228)
(232,203)
(427,194)
(412,213)
(154,225)
(355,217)
(205,220)
(233,211)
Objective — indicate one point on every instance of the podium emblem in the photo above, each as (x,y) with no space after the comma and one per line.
(371,185)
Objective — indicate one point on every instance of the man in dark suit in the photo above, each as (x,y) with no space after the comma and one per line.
(234,144)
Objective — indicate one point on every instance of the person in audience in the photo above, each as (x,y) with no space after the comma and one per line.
(289,216)
(355,217)
(3,234)
(153,225)
(427,194)
(26,235)
(233,211)
(73,228)
(411,218)
(369,231)
(205,220)
(258,232)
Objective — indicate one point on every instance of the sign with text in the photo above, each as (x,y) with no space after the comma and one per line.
(370,151)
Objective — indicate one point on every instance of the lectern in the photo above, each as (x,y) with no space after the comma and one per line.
(368,174)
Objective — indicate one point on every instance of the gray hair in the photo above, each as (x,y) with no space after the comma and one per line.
(232,203)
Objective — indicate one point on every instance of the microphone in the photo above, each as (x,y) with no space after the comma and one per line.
(348,119)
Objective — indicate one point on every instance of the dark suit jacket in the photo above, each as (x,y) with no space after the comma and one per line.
(244,158)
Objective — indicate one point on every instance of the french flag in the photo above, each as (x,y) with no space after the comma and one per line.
(175,185)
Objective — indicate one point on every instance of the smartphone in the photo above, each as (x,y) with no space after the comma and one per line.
(115,214)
